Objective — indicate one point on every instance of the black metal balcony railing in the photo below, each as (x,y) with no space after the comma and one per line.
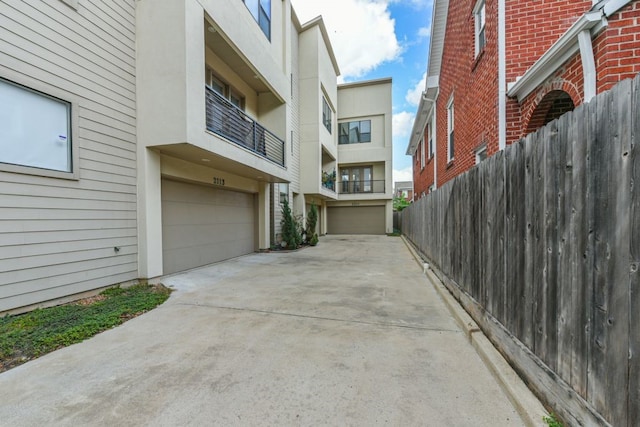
(230,122)
(362,186)
(329,185)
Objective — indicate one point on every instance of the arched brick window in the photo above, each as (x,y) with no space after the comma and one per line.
(554,104)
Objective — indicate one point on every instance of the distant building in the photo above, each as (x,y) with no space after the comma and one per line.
(500,69)
(403,189)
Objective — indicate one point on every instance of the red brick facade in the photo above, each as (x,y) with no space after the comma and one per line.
(472,82)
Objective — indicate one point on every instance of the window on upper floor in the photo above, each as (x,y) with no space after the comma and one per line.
(326,114)
(224,90)
(430,136)
(422,159)
(354,132)
(261,11)
(479,24)
(481,154)
(450,128)
(35,129)
(359,179)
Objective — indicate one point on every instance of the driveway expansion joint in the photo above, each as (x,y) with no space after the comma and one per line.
(332,319)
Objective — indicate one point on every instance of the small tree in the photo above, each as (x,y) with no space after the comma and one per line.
(290,227)
(312,220)
(399,203)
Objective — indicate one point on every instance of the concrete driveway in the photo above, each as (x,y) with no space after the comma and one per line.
(347,333)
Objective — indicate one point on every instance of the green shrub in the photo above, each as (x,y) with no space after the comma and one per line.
(314,239)
(312,220)
(290,227)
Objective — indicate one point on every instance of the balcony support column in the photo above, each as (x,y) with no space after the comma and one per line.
(149,214)
(264,228)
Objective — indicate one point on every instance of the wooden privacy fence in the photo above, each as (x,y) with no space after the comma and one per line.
(541,244)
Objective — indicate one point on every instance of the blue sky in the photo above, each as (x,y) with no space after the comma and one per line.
(380,38)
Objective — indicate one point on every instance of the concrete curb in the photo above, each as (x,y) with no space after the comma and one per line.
(525,402)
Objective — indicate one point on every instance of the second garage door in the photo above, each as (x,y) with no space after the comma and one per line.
(356,220)
(202,225)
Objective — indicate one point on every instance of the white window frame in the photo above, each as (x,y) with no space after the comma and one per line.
(54,94)
(480,24)
(229,93)
(422,159)
(327,114)
(481,154)
(450,130)
(430,136)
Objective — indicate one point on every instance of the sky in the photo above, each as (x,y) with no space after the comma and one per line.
(380,38)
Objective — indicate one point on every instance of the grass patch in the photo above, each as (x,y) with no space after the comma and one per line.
(553,421)
(31,335)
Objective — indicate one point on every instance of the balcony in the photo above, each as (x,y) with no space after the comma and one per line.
(361,187)
(329,180)
(231,123)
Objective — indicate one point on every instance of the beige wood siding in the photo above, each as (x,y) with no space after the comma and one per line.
(202,225)
(356,220)
(57,236)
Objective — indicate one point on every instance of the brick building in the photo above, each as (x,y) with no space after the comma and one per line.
(500,69)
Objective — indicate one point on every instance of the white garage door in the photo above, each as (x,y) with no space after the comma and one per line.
(202,225)
(356,220)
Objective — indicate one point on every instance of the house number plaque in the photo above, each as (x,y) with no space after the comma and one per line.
(218,181)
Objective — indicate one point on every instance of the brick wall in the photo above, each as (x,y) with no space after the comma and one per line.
(617,56)
(423,178)
(617,48)
(531,28)
(472,81)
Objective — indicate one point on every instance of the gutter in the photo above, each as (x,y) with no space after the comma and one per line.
(423,113)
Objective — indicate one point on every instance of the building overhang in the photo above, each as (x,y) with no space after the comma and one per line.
(202,157)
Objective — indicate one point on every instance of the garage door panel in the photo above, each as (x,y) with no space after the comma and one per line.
(202,225)
(356,220)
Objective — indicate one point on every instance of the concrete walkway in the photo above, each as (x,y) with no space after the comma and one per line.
(347,333)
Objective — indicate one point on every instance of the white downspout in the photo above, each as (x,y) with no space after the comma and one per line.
(588,65)
(502,75)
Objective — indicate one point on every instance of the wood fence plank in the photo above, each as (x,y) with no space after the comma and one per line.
(599,166)
(529,242)
(538,250)
(515,235)
(565,312)
(581,254)
(497,255)
(553,167)
(634,268)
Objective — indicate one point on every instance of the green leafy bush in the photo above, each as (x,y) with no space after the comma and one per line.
(291,234)
(312,220)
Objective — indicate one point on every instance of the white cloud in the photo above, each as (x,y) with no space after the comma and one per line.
(424,32)
(357,51)
(405,174)
(402,124)
(414,94)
